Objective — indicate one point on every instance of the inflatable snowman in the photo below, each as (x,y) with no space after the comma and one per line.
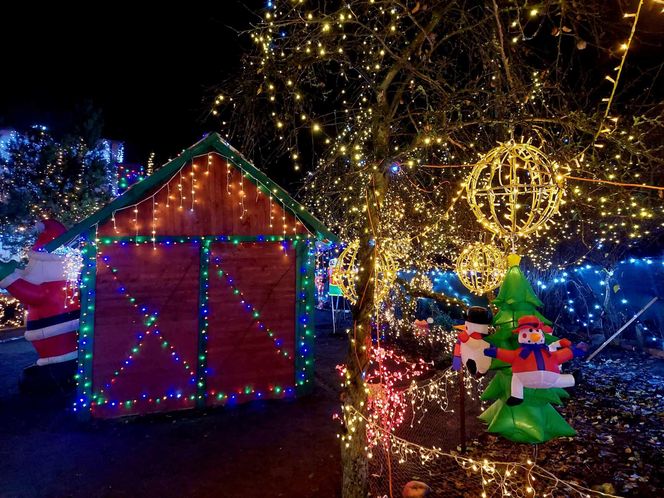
(534,364)
(470,345)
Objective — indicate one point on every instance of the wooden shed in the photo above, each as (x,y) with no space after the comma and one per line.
(196,290)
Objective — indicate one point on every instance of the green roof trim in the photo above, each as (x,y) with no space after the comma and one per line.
(212,143)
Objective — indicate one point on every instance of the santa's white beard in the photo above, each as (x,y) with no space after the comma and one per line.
(44,267)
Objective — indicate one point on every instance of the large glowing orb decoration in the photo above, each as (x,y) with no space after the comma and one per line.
(515,189)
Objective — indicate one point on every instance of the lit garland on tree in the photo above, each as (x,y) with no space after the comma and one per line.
(385,104)
(387,396)
(41,176)
(352,51)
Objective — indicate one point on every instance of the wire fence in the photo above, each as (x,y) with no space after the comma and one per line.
(426,448)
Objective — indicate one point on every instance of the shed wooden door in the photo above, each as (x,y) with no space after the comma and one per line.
(146,328)
(251,335)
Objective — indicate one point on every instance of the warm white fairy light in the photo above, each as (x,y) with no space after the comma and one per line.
(435,115)
(72,265)
(193,186)
(481,267)
(180,189)
(178,178)
(422,203)
(497,478)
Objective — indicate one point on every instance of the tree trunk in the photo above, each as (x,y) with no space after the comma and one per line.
(354,444)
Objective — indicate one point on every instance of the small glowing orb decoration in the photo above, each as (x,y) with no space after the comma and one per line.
(347,272)
(481,267)
(514,189)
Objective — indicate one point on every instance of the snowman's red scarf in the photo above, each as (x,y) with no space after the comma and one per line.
(465,336)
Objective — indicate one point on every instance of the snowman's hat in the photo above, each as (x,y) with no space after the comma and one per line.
(531,322)
(479,315)
(48,230)
(476,314)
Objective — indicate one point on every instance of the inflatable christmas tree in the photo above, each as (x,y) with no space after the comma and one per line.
(534,420)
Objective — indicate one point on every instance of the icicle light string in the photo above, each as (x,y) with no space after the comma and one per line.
(242,197)
(193,185)
(260,185)
(180,185)
(229,172)
(154,226)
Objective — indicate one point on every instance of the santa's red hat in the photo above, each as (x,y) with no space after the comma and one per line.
(48,230)
(531,322)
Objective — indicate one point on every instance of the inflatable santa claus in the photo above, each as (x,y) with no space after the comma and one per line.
(52,312)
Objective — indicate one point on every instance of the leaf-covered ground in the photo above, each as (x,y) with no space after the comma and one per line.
(617,409)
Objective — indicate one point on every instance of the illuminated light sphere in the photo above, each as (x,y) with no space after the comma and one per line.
(346,273)
(515,189)
(481,267)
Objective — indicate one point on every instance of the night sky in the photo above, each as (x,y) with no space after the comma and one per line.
(149,69)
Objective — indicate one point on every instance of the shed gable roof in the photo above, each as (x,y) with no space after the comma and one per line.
(212,143)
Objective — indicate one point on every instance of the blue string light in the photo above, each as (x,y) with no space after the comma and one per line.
(90,399)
